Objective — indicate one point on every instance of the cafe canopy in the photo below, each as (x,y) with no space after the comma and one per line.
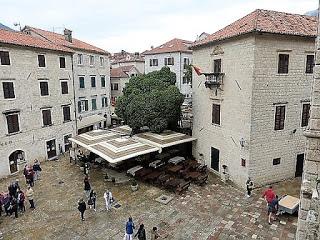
(116,145)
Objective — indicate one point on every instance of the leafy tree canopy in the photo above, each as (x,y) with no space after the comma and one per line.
(151,100)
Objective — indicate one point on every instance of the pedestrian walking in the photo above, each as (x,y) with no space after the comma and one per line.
(249,185)
(154,233)
(141,234)
(30,177)
(29,194)
(92,200)
(129,229)
(37,170)
(87,186)
(273,209)
(108,199)
(82,208)
(21,199)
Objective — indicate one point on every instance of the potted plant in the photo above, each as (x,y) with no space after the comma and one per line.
(134,185)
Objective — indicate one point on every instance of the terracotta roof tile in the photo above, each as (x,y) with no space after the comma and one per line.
(266,21)
(23,39)
(124,56)
(120,72)
(60,39)
(174,45)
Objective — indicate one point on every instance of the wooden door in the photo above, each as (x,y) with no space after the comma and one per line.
(215,159)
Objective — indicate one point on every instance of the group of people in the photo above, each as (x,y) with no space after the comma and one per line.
(141,233)
(32,172)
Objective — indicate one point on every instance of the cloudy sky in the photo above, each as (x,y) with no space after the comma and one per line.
(135,25)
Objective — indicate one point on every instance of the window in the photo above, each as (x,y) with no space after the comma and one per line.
(81,82)
(93,81)
(309,63)
(279,118)
(103,81)
(44,90)
(8,90)
(217,66)
(91,60)
(83,106)
(80,59)
(41,61)
(186,62)
(62,62)
(94,103)
(104,101)
(186,80)
(216,114)
(101,61)
(13,122)
(5,59)
(116,86)
(283,63)
(113,101)
(46,117)
(243,162)
(153,62)
(305,114)
(66,113)
(64,87)
(276,161)
(169,61)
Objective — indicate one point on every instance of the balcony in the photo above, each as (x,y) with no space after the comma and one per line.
(213,80)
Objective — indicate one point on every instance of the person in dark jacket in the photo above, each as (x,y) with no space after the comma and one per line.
(92,200)
(129,229)
(87,187)
(82,208)
(141,234)
(21,199)
(14,207)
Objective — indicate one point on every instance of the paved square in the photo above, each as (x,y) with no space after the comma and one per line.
(214,211)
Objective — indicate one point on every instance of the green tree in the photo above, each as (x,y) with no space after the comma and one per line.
(151,100)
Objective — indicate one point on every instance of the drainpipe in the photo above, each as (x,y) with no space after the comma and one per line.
(74,94)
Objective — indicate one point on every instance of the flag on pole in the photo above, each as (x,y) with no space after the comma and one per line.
(197,70)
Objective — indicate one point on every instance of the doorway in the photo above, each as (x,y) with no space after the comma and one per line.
(51,149)
(15,158)
(299,165)
(215,159)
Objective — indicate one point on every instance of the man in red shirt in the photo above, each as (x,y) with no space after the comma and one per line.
(269,195)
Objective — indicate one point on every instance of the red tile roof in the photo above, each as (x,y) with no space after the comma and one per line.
(120,72)
(60,39)
(22,39)
(174,45)
(266,21)
(124,56)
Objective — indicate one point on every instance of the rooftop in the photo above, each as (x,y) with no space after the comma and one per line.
(22,39)
(266,21)
(60,40)
(125,56)
(174,45)
(121,72)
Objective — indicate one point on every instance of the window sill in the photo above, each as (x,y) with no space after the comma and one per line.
(67,121)
(12,134)
(82,88)
(282,74)
(216,125)
(9,99)
(47,126)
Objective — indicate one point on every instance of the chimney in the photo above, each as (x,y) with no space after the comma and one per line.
(151,47)
(67,34)
(136,54)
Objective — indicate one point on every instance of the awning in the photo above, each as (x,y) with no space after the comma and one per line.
(125,129)
(90,120)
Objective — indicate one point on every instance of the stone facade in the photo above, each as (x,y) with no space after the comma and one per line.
(309,212)
(177,68)
(250,92)
(31,139)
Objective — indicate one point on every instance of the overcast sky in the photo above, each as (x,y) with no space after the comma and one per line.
(135,25)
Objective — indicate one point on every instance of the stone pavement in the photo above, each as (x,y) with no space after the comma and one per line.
(214,211)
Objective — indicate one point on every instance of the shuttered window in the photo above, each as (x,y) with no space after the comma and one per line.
(44,90)
(217,66)
(8,90)
(104,102)
(283,63)
(62,62)
(46,117)
(41,61)
(309,63)
(94,104)
(305,114)
(83,106)
(66,113)
(279,117)
(216,114)
(169,61)
(103,81)
(64,87)
(4,57)
(93,81)
(81,82)
(13,123)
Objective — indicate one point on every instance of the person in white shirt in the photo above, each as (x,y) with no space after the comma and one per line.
(108,198)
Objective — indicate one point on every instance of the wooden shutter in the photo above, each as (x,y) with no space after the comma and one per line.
(79,106)
(13,123)
(8,90)
(41,61)
(46,115)
(86,106)
(309,63)
(150,62)
(217,66)
(279,118)
(62,62)
(166,61)
(64,87)
(283,64)
(66,113)
(305,114)
(103,81)
(44,88)
(216,114)
(5,59)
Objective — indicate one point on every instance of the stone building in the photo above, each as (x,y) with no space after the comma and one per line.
(119,77)
(251,106)
(309,212)
(123,58)
(36,100)
(91,71)
(176,55)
